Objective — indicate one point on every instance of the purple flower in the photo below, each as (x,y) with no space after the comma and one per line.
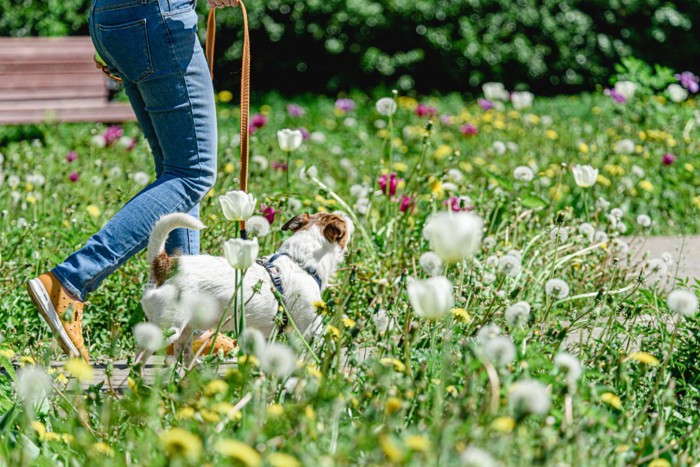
(446,119)
(408,204)
(616,96)
(258,121)
(423,110)
(689,81)
(469,129)
(268,212)
(668,159)
(74,176)
(388,184)
(457,204)
(485,104)
(304,133)
(112,134)
(295,110)
(279,165)
(345,104)
(71,156)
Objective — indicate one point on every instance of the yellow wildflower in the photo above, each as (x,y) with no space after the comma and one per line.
(551,134)
(7,353)
(400,166)
(333,331)
(689,167)
(313,370)
(250,359)
(103,448)
(229,168)
(532,118)
(209,416)
(280,459)
(309,412)
(442,151)
(659,462)
(499,125)
(642,136)
(696,201)
(185,413)
(320,306)
(406,102)
(40,429)
(79,369)
(460,314)
(436,188)
(239,451)
(391,449)
(67,438)
(596,110)
(603,180)
(643,357)
(646,185)
(275,410)
(417,443)
(177,442)
(61,379)
(216,386)
(93,210)
(397,364)
(225,96)
(393,405)
(451,390)
(348,322)
(31,199)
(611,399)
(51,436)
(583,148)
(503,424)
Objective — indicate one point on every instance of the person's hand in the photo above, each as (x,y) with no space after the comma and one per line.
(222,3)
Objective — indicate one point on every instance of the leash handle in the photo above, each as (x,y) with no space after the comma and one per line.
(245,89)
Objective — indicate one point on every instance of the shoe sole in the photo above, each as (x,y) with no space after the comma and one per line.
(41,300)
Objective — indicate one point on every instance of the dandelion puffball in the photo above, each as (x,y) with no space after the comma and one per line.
(32,384)
(530,397)
(523,173)
(500,351)
(431,263)
(557,288)
(518,314)
(454,236)
(148,336)
(277,360)
(432,298)
(386,106)
(477,457)
(568,365)
(683,302)
(258,226)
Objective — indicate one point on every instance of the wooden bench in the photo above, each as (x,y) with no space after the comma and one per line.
(54,79)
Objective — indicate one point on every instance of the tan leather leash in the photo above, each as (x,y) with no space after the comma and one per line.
(245,89)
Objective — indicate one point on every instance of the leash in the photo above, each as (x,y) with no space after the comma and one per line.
(245,90)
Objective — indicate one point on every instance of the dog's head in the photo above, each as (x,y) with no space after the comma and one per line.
(336,228)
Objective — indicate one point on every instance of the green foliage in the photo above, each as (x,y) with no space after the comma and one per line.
(552,46)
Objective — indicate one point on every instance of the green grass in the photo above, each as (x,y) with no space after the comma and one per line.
(427,392)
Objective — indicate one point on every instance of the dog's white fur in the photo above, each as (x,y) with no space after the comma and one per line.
(212,276)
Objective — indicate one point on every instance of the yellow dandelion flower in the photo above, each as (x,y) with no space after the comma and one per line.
(503,424)
(79,369)
(417,443)
(177,442)
(67,438)
(320,306)
(309,412)
(7,353)
(249,359)
(382,133)
(333,331)
(397,364)
(611,399)
(103,448)
(229,168)
(51,436)
(659,462)
(460,314)
(689,167)
(348,322)
(31,199)
(436,188)
(442,151)
(393,405)
(646,185)
(479,161)
(556,192)
(499,124)
(312,370)
(209,416)
(406,102)
(642,136)
(466,166)
(391,449)
(40,429)
(643,357)
(451,390)
(583,148)
(551,134)
(93,210)
(400,166)
(532,118)
(216,386)
(239,451)
(185,413)
(225,96)
(603,180)
(280,459)
(275,410)
(61,379)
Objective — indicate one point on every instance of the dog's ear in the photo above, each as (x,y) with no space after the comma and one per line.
(335,230)
(296,222)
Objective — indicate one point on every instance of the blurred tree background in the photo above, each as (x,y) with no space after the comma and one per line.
(547,46)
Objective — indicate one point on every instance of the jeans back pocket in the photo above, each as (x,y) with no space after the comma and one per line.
(126,47)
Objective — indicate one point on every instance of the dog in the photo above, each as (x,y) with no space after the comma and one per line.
(300,270)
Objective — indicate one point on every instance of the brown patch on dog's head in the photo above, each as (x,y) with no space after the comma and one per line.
(161,268)
(299,222)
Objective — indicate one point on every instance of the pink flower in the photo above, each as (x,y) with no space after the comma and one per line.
(388,183)
(279,165)
(485,104)
(71,156)
(345,104)
(668,159)
(469,129)
(258,121)
(457,204)
(112,134)
(423,110)
(446,119)
(304,133)
(408,204)
(74,176)
(616,96)
(268,212)
(295,110)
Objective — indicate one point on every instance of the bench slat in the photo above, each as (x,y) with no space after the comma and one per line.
(44,104)
(33,80)
(14,68)
(109,113)
(66,92)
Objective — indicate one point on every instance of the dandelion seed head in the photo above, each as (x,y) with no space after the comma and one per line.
(477,457)
(489,242)
(258,226)
(277,360)
(202,309)
(667,257)
(510,266)
(488,332)
(530,397)
(523,173)
(570,366)
(620,246)
(488,278)
(617,213)
(499,350)
(559,233)
(252,342)
(148,336)
(431,263)
(586,230)
(557,288)
(518,314)
(682,302)
(643,220)
(32,384)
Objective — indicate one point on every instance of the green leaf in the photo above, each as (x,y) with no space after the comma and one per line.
(502,181)
(7,366)
(534,202)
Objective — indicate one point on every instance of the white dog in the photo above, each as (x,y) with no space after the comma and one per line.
(300,270)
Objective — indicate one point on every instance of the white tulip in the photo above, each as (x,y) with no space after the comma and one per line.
(677,93)
(289,140)
(584,175)
(522,100)
(454,236)
(432,298)
(626,89)
(239,253)
(237,205)
(495,92)
(386,106)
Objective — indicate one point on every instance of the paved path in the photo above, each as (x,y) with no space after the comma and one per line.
(685,251)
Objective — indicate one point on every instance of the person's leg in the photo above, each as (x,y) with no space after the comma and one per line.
(173,84)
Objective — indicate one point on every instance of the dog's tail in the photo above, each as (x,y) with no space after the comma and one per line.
(165,225)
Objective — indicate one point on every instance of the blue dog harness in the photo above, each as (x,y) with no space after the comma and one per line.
(276,277)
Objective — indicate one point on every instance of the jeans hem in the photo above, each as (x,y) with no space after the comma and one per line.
(67,284)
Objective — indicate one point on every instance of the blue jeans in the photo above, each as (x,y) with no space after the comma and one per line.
(153,46)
